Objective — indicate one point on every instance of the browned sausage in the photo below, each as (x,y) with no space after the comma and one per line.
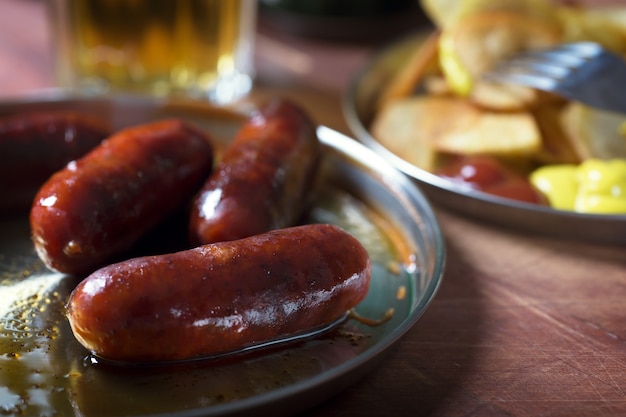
(33,146)
(220,297)
(263,179)
(101,204)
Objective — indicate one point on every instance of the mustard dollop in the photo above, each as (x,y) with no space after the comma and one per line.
(594,186)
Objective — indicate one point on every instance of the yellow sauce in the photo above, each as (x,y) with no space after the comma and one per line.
(594,186)
(558,183)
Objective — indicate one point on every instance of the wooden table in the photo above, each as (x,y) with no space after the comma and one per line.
(523,325)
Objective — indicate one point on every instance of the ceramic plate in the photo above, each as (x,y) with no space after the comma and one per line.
(44,371)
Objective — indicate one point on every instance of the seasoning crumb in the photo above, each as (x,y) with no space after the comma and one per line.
(354,338)
(370,321)
(401,293)
(394,267)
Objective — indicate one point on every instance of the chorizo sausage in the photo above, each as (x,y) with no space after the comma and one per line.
(220,297)
(33,146)
(263,179)
(100,205)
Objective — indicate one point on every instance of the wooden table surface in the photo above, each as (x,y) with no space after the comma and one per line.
(522,325)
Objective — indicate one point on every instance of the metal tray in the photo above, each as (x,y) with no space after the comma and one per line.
(44,371)
(359,107)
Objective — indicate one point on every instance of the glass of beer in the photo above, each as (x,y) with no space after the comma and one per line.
(192,48)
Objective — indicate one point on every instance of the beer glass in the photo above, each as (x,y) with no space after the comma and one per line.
(193,48)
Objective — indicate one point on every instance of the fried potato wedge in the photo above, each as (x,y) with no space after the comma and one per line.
(594,133)
(421,63)
(479,41)
(443,13)
(404,129)
(538,9)
(468,129)
(436,85)
(446,13)
(504,97)
(604,26)
(615,14)
(557,147)
(419,127)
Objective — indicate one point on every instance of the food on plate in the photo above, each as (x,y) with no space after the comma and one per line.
(264,178)
(220,297)
(423,63)
(413,128)
(605,25)
(488,174)
(558,147)
(594,186)
(437,108)
(480,40)
(101,204)
(594,133)
(447,13)
(395,129)
(35,145)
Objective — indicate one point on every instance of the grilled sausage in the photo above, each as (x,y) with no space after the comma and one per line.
(101,204)
(263,179)
(33,146)
(220,297)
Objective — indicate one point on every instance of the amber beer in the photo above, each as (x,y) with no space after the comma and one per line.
(159,47)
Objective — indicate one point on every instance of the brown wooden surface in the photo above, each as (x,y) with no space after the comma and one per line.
(522,325)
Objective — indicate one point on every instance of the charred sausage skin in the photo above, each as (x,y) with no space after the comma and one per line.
(220,297)
(101,204)
(33,146)
(264,177)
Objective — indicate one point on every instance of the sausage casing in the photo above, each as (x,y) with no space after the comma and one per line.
(220,297)
(264,178)
(101,204)
(33,146)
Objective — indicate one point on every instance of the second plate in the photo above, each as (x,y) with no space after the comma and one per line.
(360,106)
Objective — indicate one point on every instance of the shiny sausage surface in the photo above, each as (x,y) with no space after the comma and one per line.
(264,178)
(33,146)
(100,205)
(220,297)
